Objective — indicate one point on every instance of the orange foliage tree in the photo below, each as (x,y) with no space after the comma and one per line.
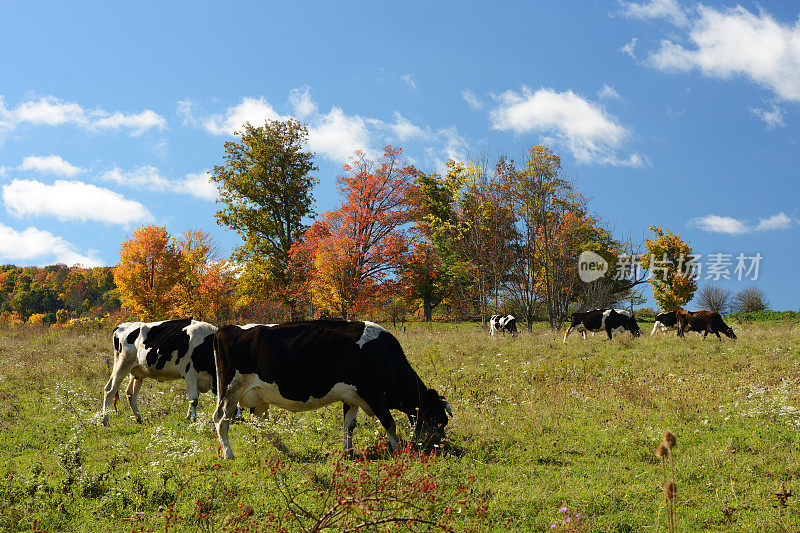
(148,268)
(348,253)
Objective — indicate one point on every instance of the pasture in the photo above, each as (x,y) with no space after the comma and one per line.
(543,431)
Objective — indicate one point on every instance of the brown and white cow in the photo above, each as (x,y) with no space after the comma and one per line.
(703,321)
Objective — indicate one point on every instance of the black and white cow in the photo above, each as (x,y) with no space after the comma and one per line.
(503,324)
(665,322)
(302,366)
(609,320)
(165,351)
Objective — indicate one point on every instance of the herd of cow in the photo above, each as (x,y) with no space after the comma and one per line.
(301,366)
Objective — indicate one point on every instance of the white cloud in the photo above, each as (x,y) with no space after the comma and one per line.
(52,164)
(198,184)
(51,111)
(186,110)
(607,92)
(779,221)
(471,99)
(301,102)
(736,42)
(256,111)
(403,129)
(137,123)
(150,178)
(72,200)
(338,135)
(772,117)
(668,9)
(409,79)
(630,48)
(583,127)
(32,243)
(734,226)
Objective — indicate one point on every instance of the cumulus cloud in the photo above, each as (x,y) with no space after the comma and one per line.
(772,117)
(735,42)
(654,9)
(51,164)
(300,100)
(581,126)
(51,111)
(33,244)
(150,178)
(256,111)
(471,99)
(337,135)
(735,226)
(404,129)
(72,200)
(607,92)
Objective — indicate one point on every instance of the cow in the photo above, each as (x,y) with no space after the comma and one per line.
(165,351)
(665,322)
(301,366)
(609,320)
(503,323)
(703,321)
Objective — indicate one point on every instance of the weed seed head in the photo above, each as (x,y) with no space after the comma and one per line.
(669,439)
(662,450)
(670,490)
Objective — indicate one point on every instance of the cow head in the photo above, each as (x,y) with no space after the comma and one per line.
(729,333)
(432,419)
(633,326)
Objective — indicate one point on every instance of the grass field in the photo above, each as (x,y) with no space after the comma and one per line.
(542,432)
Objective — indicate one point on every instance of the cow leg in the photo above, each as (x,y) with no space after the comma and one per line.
(566,334)
(387,421)
(132,392)
(121,370)
(193,394)
(349,424)
(705,334)
(718,337)
(608,332)
(226,410)
(655,326)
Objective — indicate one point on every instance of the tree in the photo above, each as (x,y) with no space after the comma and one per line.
(149,266)
(749,300)
(205,285)
(714,298)
(668,259)
(350,251)
(266,193)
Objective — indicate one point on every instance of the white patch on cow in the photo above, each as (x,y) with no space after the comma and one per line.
(622,312)
(259,392)
(250,326)
(371,332)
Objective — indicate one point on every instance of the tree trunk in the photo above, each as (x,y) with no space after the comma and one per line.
(427,307)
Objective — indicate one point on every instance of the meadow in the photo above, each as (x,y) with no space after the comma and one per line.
(546,436)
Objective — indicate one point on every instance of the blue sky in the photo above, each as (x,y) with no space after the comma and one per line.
(664,112)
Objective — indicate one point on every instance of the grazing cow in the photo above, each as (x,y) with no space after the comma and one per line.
(503,323)
(165,351)
(705,322)
(302,366)
(665,322)
(609,320)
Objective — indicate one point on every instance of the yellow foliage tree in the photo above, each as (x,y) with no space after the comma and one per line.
(667,259)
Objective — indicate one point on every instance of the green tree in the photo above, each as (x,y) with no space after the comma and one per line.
(266,193)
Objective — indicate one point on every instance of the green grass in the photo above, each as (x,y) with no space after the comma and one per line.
(538,425)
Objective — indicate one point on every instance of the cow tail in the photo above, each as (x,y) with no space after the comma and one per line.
(217,366)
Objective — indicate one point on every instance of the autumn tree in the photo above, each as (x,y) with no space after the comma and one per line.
(205,285)
(352,250)
(149,266)
(266,193)
(668,259)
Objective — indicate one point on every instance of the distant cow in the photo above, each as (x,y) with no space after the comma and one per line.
(302,366)
(503,324)
(165,351)
(703,321)
(665,322)
(609,320)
